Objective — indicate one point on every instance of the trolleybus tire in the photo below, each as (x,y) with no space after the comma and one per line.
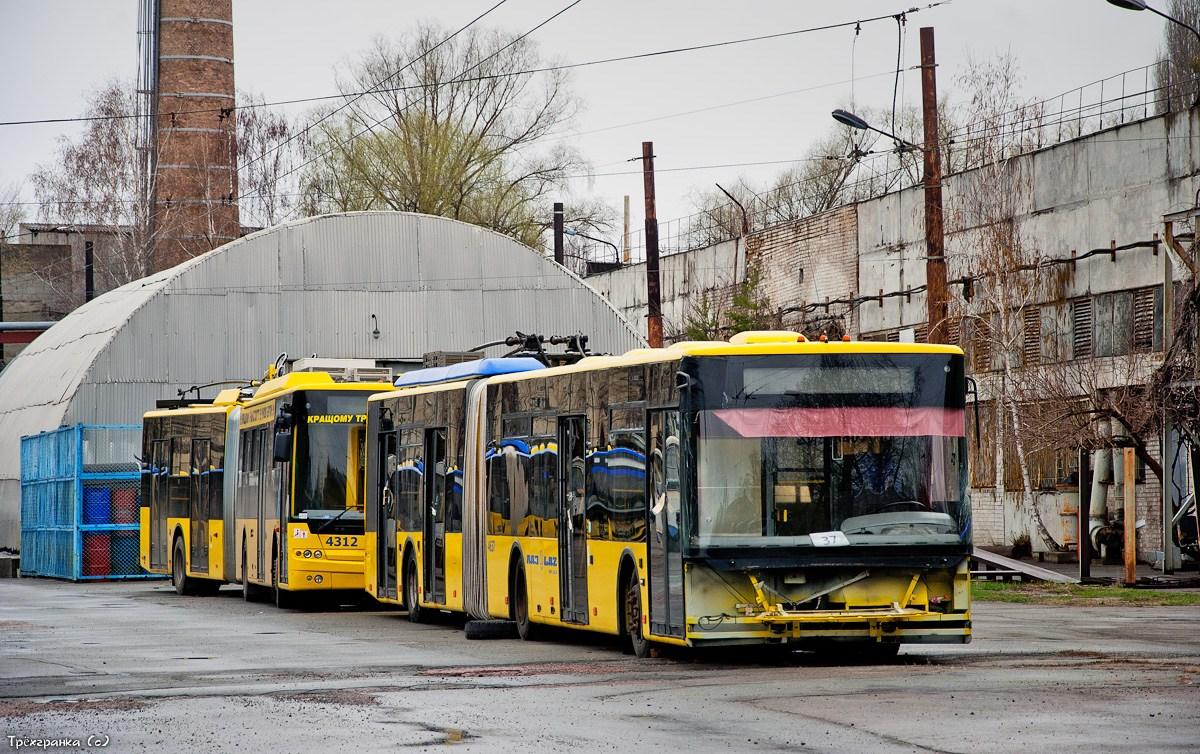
(412,592)
(490,629)
(526,628)
(632,613)
(179,577)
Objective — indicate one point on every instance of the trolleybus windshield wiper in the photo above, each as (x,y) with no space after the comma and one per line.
(325,525)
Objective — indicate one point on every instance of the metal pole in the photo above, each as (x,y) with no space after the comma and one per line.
(558,232)
(89,279)
(653,305)
(935,243)
(1130,548)
(1083,545)
(1172,558)
(625,253)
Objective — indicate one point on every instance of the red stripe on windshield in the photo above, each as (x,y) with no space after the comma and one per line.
(843,422)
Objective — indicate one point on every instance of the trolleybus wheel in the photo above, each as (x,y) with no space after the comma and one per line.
(412,592)
(525,627)
(633,617)
(179,575)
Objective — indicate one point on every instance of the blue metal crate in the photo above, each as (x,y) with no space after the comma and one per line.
(80,490)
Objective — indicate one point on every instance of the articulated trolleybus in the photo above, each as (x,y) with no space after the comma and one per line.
(265,490)
(764,490)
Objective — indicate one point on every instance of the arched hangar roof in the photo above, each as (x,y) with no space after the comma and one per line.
(309,286)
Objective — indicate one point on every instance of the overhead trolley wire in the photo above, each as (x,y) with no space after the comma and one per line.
(541,69)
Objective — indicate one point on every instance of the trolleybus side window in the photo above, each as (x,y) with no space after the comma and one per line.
(509,476)
(617,494)
(409,474)
(543,480)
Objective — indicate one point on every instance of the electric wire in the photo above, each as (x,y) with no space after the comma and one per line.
(542,69)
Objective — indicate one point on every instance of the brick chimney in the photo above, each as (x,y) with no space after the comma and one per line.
(195,154)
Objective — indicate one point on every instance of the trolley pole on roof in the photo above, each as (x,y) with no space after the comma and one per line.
(935,241)
(653,305)
(558,232)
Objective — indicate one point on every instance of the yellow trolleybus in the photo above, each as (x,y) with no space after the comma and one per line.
(764,490)
(296,500)
(182,514)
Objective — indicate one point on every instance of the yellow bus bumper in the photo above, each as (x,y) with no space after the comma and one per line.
(882,625)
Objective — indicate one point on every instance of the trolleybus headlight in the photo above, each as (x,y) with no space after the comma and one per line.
(317,554)
(297,553)
(308,553)
(318,578)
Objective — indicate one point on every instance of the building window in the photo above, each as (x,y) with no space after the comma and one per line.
(1112,324)
(1081,328)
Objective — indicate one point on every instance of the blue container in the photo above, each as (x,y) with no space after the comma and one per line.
(125,553)
(97,505)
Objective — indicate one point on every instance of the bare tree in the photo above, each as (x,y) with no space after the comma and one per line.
(12,212)
(454,134)
(267,150)
(94,180)
(1176,75)
(1004,266)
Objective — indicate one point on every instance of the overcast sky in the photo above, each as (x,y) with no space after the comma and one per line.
(52,52)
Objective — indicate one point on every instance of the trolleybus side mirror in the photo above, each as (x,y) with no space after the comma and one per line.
(283,446)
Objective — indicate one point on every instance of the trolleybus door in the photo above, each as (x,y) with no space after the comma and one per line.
(263,492)
(666,561)
(160,461)
(435,515)
(385,535)
(198,504)
(572,518)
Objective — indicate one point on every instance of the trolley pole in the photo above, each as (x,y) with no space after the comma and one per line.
(558,232)
(653,304)
(935,241)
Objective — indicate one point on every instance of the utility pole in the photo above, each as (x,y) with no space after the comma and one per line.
(625,237)
(558,232)
(653,304)
(935,240)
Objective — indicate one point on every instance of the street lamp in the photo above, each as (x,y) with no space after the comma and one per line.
(1142,5)
(616,251)
(847,118)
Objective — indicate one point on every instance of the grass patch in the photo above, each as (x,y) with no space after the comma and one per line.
(1072,594)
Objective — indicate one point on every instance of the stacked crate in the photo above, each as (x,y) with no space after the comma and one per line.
(79,503)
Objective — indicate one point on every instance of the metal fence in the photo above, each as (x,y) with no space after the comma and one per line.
(80,507)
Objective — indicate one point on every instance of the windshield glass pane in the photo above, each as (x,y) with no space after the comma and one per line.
(330,457)
(864,475)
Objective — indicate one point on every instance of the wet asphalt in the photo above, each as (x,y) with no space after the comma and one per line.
(138,667)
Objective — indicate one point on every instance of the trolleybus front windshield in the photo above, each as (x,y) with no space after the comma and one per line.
(853,449)
(329,457)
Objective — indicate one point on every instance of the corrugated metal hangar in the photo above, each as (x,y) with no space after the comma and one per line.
(382,285)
